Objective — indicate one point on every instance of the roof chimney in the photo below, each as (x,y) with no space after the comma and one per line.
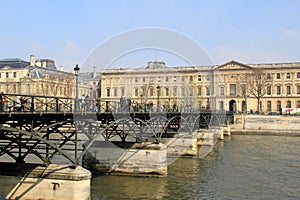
(31,60)
(44,64)
(94,72)
(61,68)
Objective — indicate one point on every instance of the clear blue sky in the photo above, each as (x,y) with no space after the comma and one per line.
(67,31)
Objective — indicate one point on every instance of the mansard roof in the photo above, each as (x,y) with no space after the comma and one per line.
(13,63)
(39,72)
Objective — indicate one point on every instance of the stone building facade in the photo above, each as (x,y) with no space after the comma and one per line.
(232,86)
(39,77)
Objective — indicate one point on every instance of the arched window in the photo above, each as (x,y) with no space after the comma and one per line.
(288,104)
(279,106)
(269,106)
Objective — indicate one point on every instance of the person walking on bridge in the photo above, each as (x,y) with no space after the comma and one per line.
(82,105)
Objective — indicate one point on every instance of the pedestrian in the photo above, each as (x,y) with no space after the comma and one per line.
(82,105)
(17,105)
(135,106)
(2,100)
(23,104)
(87,103)
(96,106)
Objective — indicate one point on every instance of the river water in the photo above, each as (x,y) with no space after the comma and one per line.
(239,167)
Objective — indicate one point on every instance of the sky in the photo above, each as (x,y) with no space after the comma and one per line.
(70,31)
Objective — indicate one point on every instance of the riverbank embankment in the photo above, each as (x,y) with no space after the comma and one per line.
(280,125)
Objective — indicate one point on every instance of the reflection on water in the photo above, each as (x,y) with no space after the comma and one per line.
(240,167)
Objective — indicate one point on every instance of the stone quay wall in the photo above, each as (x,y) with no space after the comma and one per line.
(266,124)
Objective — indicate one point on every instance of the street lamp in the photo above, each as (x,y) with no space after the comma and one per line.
(158,94)
(76,71)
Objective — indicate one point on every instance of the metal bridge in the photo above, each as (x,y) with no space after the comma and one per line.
(47,127)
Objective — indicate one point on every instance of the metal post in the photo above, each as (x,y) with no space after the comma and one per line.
(32,104)
(76,137)
(76,70)
(158,94)
(1,106)
(57,106)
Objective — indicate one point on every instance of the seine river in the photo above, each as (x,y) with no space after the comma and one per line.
(239,167)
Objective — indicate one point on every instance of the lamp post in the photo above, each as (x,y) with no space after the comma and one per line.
(76,71)
(141,102)
(158,94)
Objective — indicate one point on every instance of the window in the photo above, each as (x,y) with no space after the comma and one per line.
(207,77)
(288,75)
(207,90)
(183,92)
(136,92)
(175,79)
(143,90)
(15,74)
(221,105)
(175,91)
(268,76)
(278,89)
(288,89)
(269,90)
(167,79)
(15,88)
(0,75)
(244,90)
(191,78)
(222,91)
(151,79)
(158,79)
(199,78)
(278,75)
(182,78)
(115,92)
(298,75)
(269,106)
(298,89)
(151,92)
(7,75)
(259,76)
(279,106)
(232,89)
(288,104)
(298,104)
(167,91)
(136,79)
(122,92)
(191,92)
(108,92)
(199,91)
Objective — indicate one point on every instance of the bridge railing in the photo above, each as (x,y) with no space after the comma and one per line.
(28,103)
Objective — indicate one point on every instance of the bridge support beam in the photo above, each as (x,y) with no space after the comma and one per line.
(227,130)
(52,182)
(206,139)
(183,145)
(137,159)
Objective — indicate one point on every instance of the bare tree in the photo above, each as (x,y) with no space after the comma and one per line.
(256,85)
(55,86)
